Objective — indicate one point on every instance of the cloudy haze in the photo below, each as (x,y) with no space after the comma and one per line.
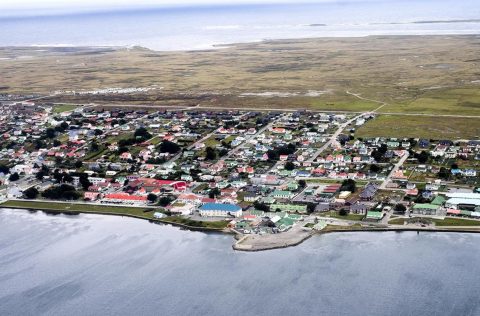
(38,7)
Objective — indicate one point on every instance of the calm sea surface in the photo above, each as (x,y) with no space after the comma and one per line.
(201,28)
(101,265)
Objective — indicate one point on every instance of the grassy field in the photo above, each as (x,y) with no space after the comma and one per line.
(449,101)
(421,74)
(350,217)
(421,127)
(449,221)
(64,108)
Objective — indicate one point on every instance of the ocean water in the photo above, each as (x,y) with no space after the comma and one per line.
(105,265)
(194,28)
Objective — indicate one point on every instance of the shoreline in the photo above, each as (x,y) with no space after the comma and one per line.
(256,243)
(226,46)
(154,220)
(250,248)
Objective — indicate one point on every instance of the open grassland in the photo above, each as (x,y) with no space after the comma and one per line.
(445,101)
(421,127)
(414,74)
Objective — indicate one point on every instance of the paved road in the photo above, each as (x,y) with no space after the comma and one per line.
(334,137)
(260,131)
(397,166)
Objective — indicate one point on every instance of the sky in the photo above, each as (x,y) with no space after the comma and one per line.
(74,5)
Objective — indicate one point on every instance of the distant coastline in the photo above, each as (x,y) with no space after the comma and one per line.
(213,27)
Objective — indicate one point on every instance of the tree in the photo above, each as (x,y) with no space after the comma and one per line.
(4,169)
(152,198)
(311,207)
(302,183)
(40,144)
(343,212)
(30,193)
(289,165)
(94,146)
(84,182)
(61,192)
(63,125)
(377,155)
(443,173)
(400,208)
(423,157)
(210,153)
(261,206)
(169,147)
(164,201)
(383,149)
(273,155)
(348,185)
(214,193)
(142,134)
(78,164)
(14,177)
(51,133)
(375,168)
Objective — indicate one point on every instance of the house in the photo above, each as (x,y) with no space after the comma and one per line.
(470,173)
(462,200)
(125,198)
(369,191)
(279,194)
(300,208)
(222,210)
(125,156)
(374,215)
(91,196)
(359,208)
(190,199)
(250,197)
(425,209)
(14,193)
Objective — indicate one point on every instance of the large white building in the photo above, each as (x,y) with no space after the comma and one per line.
(456,200)
(220,210)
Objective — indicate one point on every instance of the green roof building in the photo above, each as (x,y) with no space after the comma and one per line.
(278,194)
(289,208)
(438,200)
(425,209)
(374,215)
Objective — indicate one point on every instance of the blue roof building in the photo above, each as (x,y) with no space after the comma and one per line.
(218,209)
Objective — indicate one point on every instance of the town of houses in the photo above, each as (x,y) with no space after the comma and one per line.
(259,172)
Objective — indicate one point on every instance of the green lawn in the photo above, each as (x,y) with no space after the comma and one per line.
(350,217)
(449,221)
(64,108)
(457,222)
